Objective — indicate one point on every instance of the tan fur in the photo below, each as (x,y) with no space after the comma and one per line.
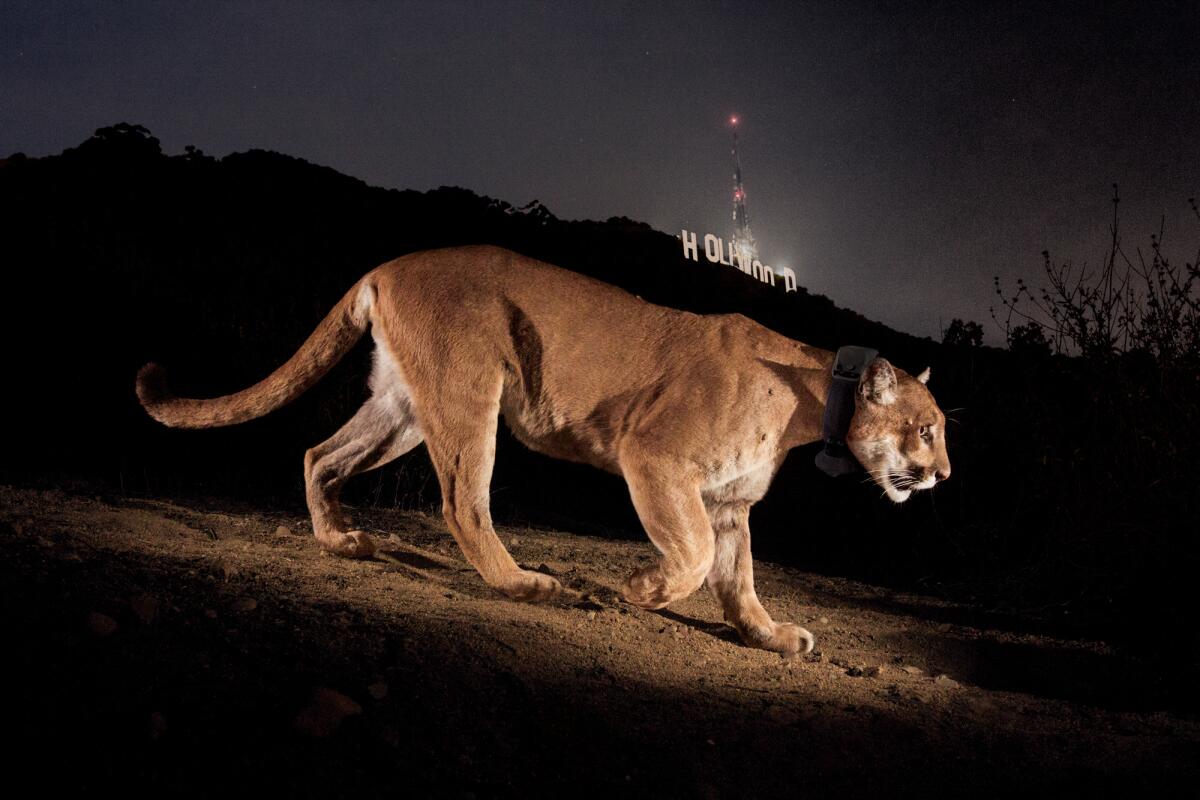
(695,412)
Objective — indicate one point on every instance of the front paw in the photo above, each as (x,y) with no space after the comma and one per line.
(529,586)
(785,637)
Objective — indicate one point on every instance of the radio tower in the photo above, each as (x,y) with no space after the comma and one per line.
(743,240)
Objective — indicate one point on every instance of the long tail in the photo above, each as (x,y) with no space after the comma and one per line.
(332,339)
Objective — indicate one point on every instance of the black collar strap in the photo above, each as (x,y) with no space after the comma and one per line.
(848,366)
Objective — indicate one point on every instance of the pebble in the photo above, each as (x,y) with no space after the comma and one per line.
(823,620)
(158,725)
(591,615)
(145,607)
(378,690)
(283,530)
(101,625)
(911,670)
(946,680)
(244,604)
(873,671)
(325,712)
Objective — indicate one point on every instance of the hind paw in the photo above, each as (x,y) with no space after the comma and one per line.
(784,637)
(529,586)
(647,588)
(353,544)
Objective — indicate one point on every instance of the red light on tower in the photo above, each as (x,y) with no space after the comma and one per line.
(733,120)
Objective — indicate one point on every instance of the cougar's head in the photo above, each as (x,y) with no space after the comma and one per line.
(898,432)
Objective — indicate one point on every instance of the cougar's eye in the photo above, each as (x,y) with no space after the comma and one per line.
(926,433)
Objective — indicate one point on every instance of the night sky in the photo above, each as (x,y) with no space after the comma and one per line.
(895,155)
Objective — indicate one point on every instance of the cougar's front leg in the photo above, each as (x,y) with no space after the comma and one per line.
(668,503)
(732,581)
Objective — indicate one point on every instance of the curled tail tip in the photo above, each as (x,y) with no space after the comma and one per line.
(152,387)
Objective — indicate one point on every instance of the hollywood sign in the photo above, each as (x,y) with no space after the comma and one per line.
(717,252)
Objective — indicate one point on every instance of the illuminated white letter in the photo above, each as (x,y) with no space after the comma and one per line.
(712,250)
(789,278)
(689,246)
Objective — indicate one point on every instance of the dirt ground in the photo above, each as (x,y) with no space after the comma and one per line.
(200,648)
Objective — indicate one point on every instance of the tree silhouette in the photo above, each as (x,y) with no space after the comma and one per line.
(963,334)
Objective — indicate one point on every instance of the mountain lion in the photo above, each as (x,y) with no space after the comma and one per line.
(695,412)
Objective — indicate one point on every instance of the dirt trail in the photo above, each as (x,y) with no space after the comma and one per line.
(196,649)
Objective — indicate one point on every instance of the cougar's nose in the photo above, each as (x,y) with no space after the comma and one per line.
(942,472)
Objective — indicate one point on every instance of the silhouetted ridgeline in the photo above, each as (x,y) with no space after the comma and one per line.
(1065,498)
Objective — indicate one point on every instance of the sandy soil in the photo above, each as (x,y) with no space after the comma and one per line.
(206,648)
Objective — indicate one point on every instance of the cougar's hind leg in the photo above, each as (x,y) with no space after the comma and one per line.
(732,581)
(669,505)
(461,436)
(383,429)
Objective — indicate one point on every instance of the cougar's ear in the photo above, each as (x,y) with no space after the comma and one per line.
(924,376)
(878,383)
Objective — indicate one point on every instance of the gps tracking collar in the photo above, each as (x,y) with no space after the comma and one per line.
(848,365)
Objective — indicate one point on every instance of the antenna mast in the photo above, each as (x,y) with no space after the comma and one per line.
(743,240)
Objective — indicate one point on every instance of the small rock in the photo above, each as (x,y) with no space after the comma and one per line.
(514,541)
(944,627)
(873,671)
(854,672)
(823,620)
(591,615)
(946,680)
(283,530)
(158,725)
(324,713)
(378,690)
(911,670)
(101,625)
(145,606)
(244,604)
